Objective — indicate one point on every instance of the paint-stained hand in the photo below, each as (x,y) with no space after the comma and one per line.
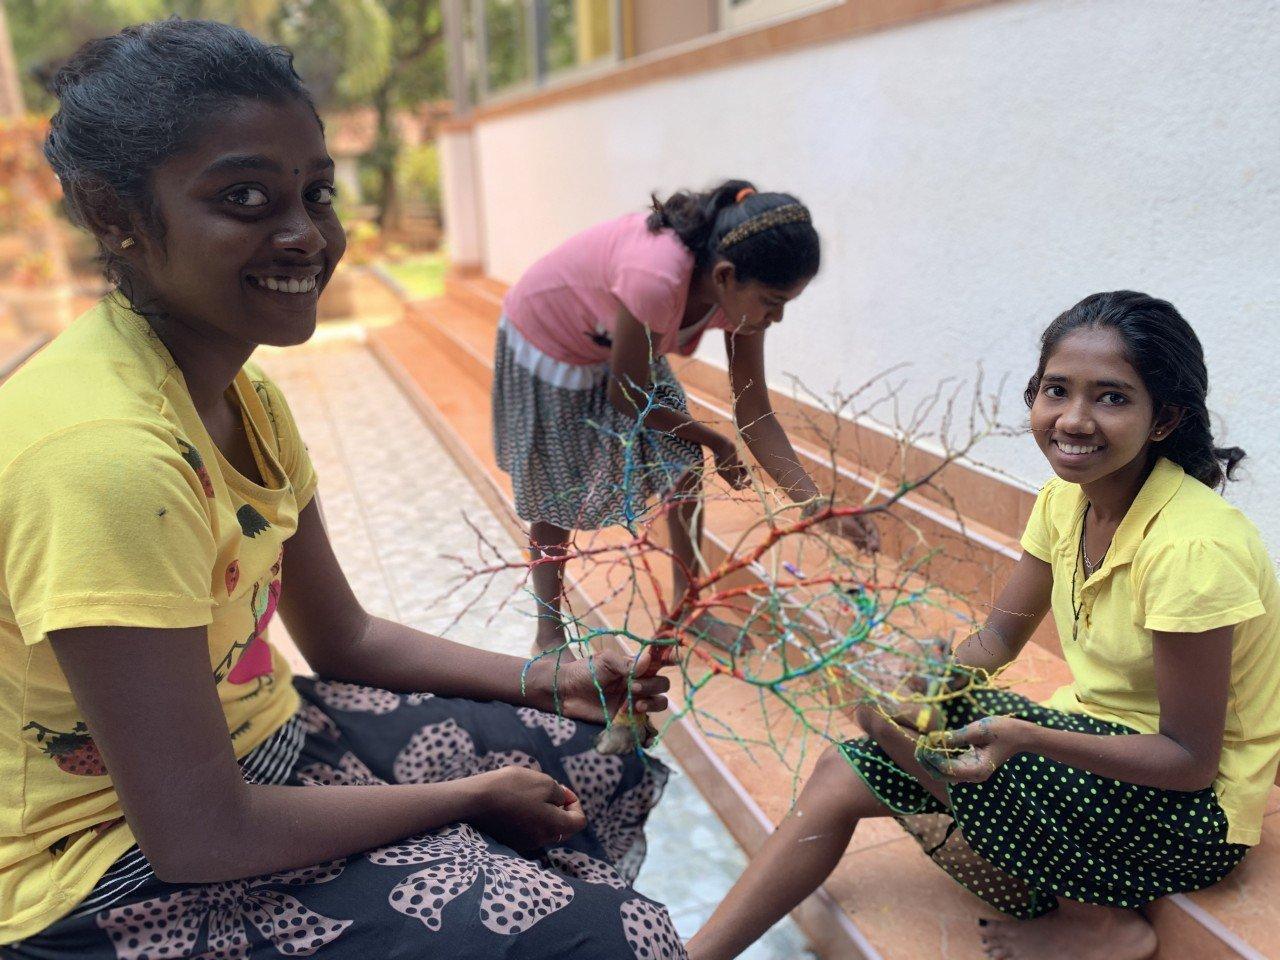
(859,530)
(975,752)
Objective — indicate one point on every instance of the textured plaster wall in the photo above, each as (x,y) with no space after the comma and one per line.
(972,176)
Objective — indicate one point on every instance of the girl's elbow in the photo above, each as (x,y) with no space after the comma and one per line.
(176,846)
(1198,774)
(180,862)
(1204,777)
(194,861)
(747,414)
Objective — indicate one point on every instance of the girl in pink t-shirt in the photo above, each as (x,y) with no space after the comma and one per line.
(582,352)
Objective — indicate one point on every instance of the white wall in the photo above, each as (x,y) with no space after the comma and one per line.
(971,176)
(462,197)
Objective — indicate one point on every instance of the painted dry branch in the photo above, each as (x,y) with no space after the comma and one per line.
(819,627)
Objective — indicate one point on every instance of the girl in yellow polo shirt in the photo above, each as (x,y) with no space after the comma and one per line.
(1148,774)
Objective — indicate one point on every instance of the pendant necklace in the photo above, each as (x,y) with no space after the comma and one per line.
(1089,568)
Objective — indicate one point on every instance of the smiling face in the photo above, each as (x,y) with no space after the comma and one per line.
(249,236)
(1092,416)
(751,306)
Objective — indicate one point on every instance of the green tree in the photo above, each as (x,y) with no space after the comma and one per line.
(342,46)
(46,32)
(388,53)
(419,175)
(414,71)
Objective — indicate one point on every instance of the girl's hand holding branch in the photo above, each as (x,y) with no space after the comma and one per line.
(729,464)
(858,530)
(588,689)
(981,748)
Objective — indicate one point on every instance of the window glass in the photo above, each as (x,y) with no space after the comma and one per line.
(507,25)
(579,33)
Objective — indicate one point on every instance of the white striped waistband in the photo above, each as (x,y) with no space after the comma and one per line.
(557,373)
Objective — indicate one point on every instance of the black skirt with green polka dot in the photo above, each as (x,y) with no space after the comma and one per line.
(1037,829)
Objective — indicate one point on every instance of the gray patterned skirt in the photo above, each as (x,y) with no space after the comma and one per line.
(574,459)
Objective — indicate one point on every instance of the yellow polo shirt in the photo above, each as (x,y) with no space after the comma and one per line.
(116,508)
(1183,560)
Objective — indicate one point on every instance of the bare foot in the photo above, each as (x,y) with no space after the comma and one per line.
(1075,931)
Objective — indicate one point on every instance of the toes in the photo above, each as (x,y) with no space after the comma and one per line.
(995,940)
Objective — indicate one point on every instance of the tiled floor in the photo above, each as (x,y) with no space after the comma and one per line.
(394,503)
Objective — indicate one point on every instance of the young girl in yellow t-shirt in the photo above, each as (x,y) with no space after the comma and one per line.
(166,788)
(1149,773)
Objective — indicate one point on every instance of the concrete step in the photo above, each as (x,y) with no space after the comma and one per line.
(479,293)
(442,355)
(474,334)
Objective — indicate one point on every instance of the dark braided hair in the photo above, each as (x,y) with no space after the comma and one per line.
(778,257)
(1165,351)
(128,102)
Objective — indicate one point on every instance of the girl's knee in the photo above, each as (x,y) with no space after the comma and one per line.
(833,769)
(866,716)
(548,540)
(648,929)
(837,783)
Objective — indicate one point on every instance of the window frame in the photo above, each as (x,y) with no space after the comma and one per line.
(799,8)
(542,78)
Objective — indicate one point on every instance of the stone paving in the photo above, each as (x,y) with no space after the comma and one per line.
(395,503)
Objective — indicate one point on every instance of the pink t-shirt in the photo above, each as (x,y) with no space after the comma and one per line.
(567,303)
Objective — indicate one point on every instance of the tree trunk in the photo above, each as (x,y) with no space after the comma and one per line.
(10,91)
(386,151)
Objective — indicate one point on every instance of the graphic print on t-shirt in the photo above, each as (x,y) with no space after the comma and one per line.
(196,462)
(252,522)
(74,751)
(249,661)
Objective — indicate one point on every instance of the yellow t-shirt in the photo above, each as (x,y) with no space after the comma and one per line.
(117,509)
(1183,560)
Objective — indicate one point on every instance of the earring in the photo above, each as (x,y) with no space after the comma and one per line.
(126,243)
